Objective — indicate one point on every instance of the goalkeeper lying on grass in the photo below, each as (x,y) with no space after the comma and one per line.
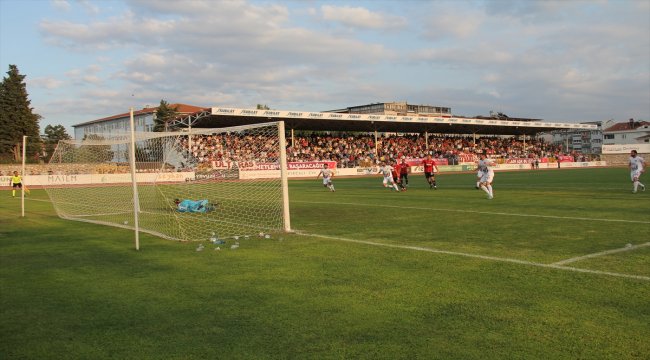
(194,206)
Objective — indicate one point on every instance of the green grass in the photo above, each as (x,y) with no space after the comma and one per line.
(385,276)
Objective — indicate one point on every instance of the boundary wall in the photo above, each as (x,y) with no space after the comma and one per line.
(307,172)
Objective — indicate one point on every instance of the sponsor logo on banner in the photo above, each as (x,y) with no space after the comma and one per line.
(170,176)
(626,148)
(367,171)
(311,165)
(306,165)
(62,179)
(467,158)
(519,161)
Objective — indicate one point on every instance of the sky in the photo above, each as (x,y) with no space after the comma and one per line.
(562,61)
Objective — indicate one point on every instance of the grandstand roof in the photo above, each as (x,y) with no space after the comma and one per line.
(326,121)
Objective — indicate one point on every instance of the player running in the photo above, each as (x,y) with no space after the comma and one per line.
(404,170)
(327,177)
(637,167)
(387,171)
(486,175)
(397,168)
(479,171)
(430,170)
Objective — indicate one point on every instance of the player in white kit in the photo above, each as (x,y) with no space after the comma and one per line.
(486,175)
(387,171)
(637,167)
(327,177)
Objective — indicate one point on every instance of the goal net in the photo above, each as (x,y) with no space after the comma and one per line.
(190,186)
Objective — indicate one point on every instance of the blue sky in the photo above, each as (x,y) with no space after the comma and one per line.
(568,61)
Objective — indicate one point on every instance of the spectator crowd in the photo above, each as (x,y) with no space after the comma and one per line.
(347,150)
(354,150)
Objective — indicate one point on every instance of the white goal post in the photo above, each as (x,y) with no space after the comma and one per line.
(187,186)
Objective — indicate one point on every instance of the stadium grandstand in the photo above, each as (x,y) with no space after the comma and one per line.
(359,135)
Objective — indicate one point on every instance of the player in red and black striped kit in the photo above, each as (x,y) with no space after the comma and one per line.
(397,169)
(430,170)
(404,170)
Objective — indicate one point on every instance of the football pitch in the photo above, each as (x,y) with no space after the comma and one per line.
(556,266)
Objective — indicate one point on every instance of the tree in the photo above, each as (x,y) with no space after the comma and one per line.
(52,136)
(17,118)
(263,107)
(164,114)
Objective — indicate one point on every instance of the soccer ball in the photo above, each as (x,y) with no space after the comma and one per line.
(261,234)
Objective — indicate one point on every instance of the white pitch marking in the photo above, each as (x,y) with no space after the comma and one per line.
(482,212)
(484,257)
(602,253)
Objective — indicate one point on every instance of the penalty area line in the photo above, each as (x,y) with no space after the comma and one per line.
(602,253)
(481,212)
(478,256)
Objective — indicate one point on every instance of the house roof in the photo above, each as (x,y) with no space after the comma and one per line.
(628,125)
(182,109)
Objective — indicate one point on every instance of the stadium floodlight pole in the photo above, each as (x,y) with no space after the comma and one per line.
(284,176)
(22,174)
(376,150)
(524,142)
(134,183)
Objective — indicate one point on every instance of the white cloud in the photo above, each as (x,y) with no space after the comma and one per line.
(44,82)
(88,76)
(548,59)
(89,7)
(61,5)
(359,17)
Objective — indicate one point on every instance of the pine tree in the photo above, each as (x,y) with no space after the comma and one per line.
(17,118)
(52,136)
(164,114)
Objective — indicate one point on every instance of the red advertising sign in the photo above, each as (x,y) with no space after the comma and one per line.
(418,162)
